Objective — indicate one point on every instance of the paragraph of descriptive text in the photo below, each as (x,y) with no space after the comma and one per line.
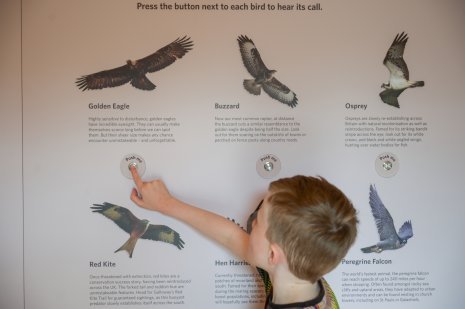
(137,290)
(238,289)
(375,132)
(258,130)
(386,287)
(132,129)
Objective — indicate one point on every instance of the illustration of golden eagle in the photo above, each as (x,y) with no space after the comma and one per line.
(137,228)
(263,77)
(135,71)
(399,73)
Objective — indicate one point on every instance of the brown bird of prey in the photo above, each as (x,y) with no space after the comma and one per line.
(137,228)
(135,71)
(263,77)
(399,74)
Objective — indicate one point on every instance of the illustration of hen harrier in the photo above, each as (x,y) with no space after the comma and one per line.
(137,228)
(135,71)
(399,73)
(389,239)
(263,77)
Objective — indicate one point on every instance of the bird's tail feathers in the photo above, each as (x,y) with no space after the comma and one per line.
(370,249)
(251,86)
(128,246)
(143,83)
(419,83)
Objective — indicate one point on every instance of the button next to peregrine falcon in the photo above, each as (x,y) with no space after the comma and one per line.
(387,164)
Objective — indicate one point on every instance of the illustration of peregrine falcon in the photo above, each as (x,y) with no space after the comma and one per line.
(389,239)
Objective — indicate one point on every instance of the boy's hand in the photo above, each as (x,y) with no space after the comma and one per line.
(150,195)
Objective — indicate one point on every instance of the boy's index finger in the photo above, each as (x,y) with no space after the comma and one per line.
(135,176)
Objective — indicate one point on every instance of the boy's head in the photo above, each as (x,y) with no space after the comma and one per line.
(313,222)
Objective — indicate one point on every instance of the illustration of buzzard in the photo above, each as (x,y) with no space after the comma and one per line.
(263,77)
(399,74)
(137,228)
(135,71)
(388,238)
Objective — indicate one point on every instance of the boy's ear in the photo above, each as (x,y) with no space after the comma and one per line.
(276,254)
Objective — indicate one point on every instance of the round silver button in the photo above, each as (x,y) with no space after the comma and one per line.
(132,160)
(268,166)
(387,164)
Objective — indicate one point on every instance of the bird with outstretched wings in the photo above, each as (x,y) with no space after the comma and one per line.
(389,239)
(135,72)
(137,228)
(398,70)
(263,77)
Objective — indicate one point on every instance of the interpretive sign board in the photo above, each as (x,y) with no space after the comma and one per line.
(176,86)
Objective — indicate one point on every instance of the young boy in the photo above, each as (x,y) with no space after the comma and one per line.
(301,231)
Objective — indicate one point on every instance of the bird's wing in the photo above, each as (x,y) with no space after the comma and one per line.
(250,56)
(406,230)
(103,79)
(165,55)
(394,60)
(165,234)
(383,218)
(120,215)
(252,86)
(389,96)
(143,83)
(280,92)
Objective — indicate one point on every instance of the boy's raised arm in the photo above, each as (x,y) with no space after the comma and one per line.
(155,196)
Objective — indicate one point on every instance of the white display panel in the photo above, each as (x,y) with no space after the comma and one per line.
(331,57)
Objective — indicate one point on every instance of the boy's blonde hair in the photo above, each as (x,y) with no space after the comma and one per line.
(313,222)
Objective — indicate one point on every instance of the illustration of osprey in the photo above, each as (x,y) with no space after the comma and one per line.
(263,77)
(135,71)
(137,228)
(388,238)
(399,74)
